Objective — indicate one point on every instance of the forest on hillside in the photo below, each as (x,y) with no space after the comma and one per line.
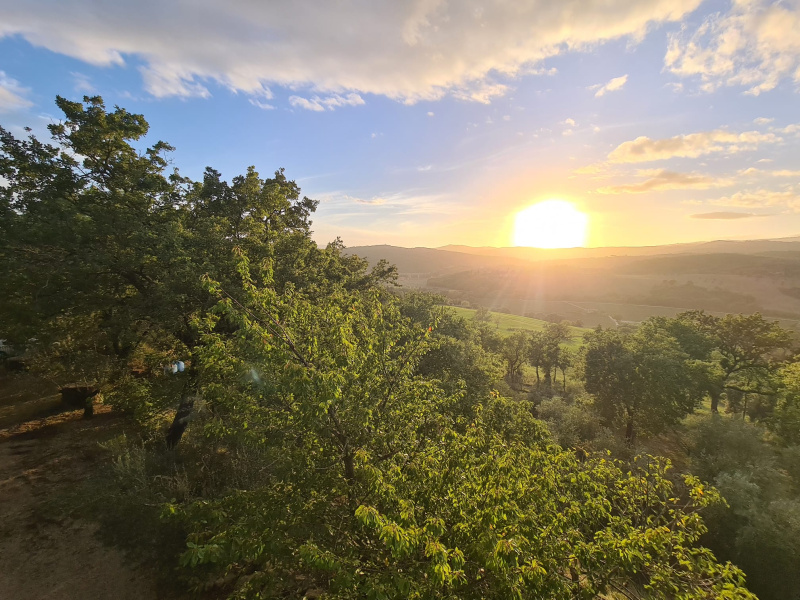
(302,427)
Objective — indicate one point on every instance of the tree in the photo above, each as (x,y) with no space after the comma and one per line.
(370,492)
(565,360)
(536,352)
(785,422)
(554,335)
(747,348)
(104,254)
(513,350)
(545,351)
(758,526)
(641,380)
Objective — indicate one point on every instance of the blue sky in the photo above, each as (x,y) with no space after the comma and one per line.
(429,122)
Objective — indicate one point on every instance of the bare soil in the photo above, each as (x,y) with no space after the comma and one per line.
(43,454)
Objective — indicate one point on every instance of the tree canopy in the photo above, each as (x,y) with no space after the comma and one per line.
(342,440)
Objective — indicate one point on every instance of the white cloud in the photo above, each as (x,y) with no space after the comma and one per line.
(330,102)
(407,50)
(755,45)
(612,86)
(81,83)
(430,113)
(762,121)
(12,94)
(260,104)
(391,205)
(299,102)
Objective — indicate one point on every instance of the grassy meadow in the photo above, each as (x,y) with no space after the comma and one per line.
(507,324)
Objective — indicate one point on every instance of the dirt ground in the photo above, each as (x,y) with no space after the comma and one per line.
(43,453)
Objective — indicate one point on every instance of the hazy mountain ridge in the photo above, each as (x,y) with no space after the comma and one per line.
(720,276)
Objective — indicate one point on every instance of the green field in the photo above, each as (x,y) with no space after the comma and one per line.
(507,324)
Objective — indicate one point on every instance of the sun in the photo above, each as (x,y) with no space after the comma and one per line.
(551,224)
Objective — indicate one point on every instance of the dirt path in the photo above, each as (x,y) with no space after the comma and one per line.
(46,557)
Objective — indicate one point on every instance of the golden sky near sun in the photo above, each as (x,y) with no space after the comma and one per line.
(550,224)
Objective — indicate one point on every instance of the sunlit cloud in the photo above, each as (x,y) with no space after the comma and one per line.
(761,198)
(753,172)
(612,86)
(660,180)
(754,45)
(725,216)
(408,51)
(645,149)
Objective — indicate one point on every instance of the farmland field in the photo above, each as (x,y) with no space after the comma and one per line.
(507,324)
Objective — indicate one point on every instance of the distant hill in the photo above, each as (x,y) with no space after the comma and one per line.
(600,286)
(715,247)
(430,260)
(770,264)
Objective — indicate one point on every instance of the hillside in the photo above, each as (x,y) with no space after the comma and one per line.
(508,323)
(720,276)
(712,247)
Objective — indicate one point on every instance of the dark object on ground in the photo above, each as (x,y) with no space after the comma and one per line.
(80,396)
(14,364)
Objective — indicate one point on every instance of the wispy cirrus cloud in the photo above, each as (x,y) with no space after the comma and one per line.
(408,50)
(408,203)
(331,102)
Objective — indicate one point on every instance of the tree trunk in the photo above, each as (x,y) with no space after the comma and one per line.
(184,413)
(564,379)
(537,376)
(349,466)
(714,401)
(630,434)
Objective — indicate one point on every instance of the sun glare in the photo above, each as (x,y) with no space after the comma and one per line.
(551,224)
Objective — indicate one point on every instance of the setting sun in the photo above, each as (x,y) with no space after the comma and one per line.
(551,224)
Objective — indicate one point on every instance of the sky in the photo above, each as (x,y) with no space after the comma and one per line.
(434,122)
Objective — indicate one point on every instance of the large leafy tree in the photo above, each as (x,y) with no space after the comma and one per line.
(641,380)
(104,252)
(367,488)
(745,351)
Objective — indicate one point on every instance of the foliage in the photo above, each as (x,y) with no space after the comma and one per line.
(347,441)
(104,253)
(641,380)
(759,526)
